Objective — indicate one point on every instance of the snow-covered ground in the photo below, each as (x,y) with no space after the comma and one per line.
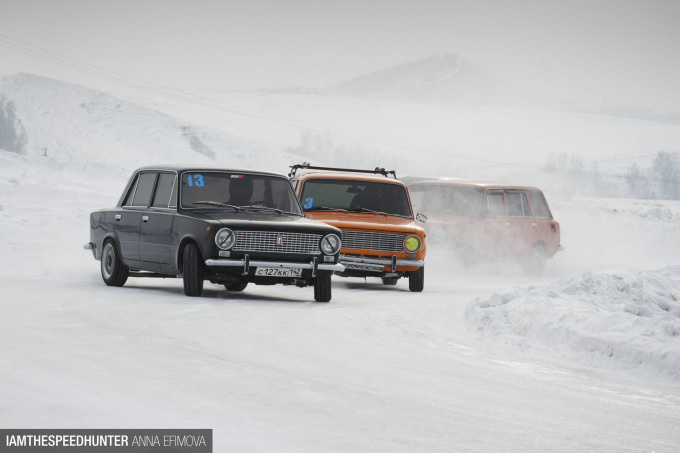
(585,358)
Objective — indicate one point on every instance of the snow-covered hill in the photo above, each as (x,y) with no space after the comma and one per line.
(585,358)
(74,124)
(439,79)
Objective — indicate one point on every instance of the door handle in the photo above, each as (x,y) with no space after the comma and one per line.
(118,216)
(507,224)
(145,218)
(533,225)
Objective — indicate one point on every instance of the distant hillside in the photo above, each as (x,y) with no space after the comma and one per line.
(442,79)
(45,117)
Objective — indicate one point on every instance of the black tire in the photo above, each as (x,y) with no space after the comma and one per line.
(416,280)
(534,263)
(236,287)
(192,271)
(322,288)
(114,272)
(390,281)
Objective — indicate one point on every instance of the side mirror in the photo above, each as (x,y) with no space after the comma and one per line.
(422,218)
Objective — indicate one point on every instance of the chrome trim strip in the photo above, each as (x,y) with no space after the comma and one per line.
(282,264)
(383,261)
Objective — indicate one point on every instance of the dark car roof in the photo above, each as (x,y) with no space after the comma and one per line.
(182,168)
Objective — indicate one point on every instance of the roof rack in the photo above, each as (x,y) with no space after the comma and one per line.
(307,166)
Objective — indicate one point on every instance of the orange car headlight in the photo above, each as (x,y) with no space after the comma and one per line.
(412,243)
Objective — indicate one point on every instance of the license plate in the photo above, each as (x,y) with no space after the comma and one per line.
(364,267)
(278,272)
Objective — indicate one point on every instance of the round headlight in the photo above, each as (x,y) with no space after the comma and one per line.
(330,244)
(225,239)
(412,243)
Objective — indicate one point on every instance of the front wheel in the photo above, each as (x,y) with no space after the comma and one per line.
(416,280)
(192,271)
(114,272)
(322,288)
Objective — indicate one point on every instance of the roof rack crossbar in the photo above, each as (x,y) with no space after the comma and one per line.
(307,166)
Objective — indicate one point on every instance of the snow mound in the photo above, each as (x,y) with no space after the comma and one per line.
(620,318)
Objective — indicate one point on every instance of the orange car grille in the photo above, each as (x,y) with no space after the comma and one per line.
(383,242)
(277,242)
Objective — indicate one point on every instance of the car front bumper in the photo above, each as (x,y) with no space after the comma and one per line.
(392,262)
(247,264)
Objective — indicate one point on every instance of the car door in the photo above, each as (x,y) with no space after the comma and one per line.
(545,228)
(495,232)
(156,222)
(522,228)
(128,219)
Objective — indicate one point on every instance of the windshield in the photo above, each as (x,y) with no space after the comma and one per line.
(446,198)
(237,191)
(355,196)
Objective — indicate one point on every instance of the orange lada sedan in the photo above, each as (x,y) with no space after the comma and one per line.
(381,236)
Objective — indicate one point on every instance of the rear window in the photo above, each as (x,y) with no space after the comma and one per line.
(539,205)
(518,206)
(140,192)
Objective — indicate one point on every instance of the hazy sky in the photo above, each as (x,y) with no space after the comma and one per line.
(627,51)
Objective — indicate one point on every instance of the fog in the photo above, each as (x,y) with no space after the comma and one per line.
(583,357)
(578,53)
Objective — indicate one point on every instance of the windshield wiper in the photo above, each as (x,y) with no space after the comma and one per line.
(254,207)
(217,203)
(360,209)
(325,208)
(268,208)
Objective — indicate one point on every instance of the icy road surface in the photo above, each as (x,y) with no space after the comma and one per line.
(377,369)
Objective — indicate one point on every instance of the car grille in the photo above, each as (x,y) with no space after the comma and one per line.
(384,242)
(277,242)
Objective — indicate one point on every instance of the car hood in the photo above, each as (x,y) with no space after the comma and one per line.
(364,221)
(268,221)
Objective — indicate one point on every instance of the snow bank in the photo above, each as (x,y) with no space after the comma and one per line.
(620,318)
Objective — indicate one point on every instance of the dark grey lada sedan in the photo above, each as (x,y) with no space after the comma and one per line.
(230,227)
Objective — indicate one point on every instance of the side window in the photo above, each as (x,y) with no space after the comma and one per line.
(131,193)
(164,190)
(539,205)
(494,203)
(517,204)
(142,194)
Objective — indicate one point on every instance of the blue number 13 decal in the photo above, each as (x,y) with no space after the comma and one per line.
(195,180)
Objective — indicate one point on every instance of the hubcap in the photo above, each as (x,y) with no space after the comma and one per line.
(108,261)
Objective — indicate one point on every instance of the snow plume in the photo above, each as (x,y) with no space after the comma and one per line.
(619,318)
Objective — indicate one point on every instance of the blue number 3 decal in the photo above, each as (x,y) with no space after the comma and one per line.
(308,203)
(197,180)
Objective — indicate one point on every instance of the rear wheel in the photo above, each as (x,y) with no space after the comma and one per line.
(192,271)
(535,262)
(236,287)
(416,280)
(114,272)
(322,288)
